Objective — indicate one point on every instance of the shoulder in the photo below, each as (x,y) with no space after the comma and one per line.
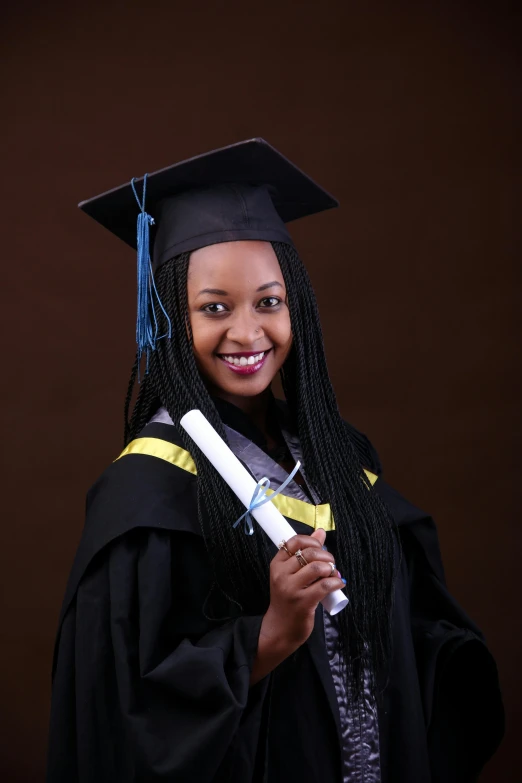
(155,457)
(151,485)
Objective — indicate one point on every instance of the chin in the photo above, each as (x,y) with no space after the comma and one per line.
(243,387)
(246,389)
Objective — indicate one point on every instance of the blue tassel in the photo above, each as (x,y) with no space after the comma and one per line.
(146,321)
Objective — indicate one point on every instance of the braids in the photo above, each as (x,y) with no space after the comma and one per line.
(364,530)
(364,538)
(173,380)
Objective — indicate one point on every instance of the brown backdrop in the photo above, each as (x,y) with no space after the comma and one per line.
(410,113)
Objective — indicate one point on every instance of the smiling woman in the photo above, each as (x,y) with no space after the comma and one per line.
(241,339)
(188,651)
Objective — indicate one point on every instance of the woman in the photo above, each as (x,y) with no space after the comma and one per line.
(189,651)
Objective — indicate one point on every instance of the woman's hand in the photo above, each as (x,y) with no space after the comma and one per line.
(295,591)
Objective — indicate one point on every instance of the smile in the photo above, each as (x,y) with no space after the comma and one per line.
(245,364)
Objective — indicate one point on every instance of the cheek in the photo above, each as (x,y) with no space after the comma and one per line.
(203,337)
(284,332)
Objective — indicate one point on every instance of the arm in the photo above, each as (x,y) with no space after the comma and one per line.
(295,592)
(146,687)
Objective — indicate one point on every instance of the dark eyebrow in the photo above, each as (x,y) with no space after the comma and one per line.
(216,291)
(268,285)
(220,292)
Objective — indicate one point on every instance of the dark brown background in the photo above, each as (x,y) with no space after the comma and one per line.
(410,113)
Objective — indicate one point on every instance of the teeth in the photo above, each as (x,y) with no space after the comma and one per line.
(242,361)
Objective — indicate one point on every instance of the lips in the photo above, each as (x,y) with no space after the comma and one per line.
(245,363)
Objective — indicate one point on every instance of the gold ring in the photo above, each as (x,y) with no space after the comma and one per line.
(332,566)
(301,559)
(283,545)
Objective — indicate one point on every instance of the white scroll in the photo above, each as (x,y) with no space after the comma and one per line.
(243,485)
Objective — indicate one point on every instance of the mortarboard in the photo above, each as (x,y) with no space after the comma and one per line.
(242,192)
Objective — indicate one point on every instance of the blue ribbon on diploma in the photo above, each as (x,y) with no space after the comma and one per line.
(260,497)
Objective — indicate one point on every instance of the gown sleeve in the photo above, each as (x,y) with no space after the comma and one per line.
(457,673)
(146,688)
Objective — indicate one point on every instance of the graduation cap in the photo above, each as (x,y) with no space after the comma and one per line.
(246,191)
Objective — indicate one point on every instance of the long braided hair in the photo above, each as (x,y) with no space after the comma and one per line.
(364,538)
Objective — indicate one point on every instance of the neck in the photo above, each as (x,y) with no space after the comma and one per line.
(255,408)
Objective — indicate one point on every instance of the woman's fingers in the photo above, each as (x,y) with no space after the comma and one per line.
(286,559)
(309,549)
(293,545)
(296,589)
(316,569)
(293,566)
(318,590)
(318,562)
(320,535)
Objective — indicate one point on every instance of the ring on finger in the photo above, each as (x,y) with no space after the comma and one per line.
(332,566)
(301,559)
(283,545)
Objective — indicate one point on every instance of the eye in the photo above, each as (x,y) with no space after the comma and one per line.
(269,301)
(214,308)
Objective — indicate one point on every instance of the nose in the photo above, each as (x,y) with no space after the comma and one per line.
(244,328)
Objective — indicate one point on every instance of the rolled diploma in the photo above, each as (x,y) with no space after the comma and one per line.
(243,485)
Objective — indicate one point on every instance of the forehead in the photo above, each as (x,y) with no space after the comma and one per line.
(230,265)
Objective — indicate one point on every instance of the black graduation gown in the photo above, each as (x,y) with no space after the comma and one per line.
(146,688)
